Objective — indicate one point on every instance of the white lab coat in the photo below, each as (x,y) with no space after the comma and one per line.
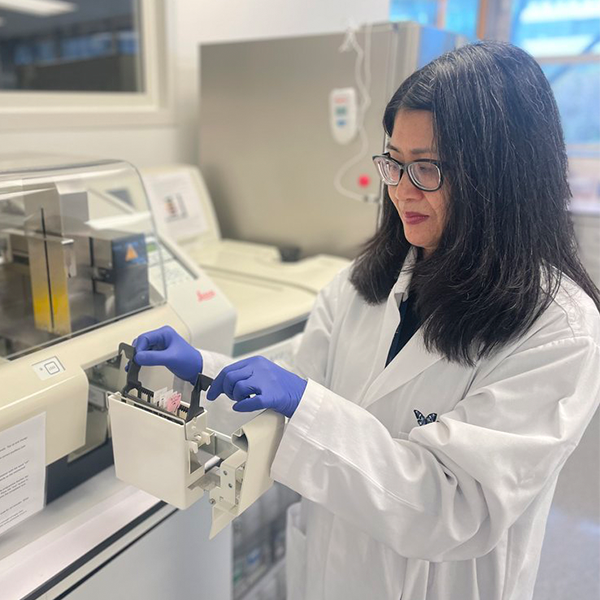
(452,510)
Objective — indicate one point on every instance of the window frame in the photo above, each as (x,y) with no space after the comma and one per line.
(154,105)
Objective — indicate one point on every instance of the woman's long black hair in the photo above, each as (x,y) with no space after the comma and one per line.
(508,238)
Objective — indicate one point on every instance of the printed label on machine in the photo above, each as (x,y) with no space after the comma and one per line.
(174,272)
(22,471)
(175,204)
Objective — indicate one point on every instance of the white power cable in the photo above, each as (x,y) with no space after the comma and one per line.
(362,75)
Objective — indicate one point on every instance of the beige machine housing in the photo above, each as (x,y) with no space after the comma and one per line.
(81,272)
(178,461)
(64,312)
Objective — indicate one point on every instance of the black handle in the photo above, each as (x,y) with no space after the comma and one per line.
(202,384)
(133,383)
(133,373)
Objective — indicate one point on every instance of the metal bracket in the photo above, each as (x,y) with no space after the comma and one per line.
(197,433)
(225,495)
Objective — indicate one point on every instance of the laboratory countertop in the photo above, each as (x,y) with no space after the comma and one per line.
(74,535)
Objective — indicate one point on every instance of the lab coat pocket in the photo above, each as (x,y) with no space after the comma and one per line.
(295,560)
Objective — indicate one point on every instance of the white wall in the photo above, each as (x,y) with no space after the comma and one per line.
(191,22)
(228,20)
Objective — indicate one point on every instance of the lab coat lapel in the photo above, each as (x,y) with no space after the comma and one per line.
(391,316)
(411,361)
(413,358)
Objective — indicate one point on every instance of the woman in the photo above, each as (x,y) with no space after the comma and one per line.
(450,371)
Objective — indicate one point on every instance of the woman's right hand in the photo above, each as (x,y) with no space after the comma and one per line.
(166,347)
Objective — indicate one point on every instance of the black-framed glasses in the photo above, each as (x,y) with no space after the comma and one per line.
(424,173)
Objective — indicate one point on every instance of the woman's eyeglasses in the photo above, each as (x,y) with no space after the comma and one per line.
(425,173)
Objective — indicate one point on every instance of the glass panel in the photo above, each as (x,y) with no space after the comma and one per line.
(79,45)
(458,16)
(420,11)
(584,179)
(72,256)
(577,91)
(556,27)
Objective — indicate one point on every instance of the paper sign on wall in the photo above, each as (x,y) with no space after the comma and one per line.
(22,471)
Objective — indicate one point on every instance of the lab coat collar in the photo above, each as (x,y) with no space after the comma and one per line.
(414,357)
(400,289)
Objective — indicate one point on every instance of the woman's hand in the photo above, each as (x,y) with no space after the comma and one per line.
(256,383)
(166,347)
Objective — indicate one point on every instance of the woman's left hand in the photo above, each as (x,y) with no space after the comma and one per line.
(257,383)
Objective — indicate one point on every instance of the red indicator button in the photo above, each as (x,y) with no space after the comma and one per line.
(364,181)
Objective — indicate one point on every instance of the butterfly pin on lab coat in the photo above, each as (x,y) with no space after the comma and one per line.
(424,420)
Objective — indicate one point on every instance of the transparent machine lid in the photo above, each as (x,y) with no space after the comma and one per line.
(72,257)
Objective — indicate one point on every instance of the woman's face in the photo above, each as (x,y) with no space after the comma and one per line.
(423,214)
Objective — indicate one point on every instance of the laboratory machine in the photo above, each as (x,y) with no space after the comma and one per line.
(173,188)
(81,273)
(172,448)
(288,126)
(272,294)
(78,275)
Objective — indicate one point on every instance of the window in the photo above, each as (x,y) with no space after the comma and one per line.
(563,36)
(82,61)
(89,45)
(459,16)
(577,90)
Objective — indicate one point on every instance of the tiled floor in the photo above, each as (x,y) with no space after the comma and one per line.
(570,563)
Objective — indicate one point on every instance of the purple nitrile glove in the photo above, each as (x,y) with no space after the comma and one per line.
(166,347)
(274,387)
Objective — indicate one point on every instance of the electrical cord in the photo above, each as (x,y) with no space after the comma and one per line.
(362,76)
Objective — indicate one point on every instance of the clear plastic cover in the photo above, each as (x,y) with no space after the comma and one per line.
(73,256)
